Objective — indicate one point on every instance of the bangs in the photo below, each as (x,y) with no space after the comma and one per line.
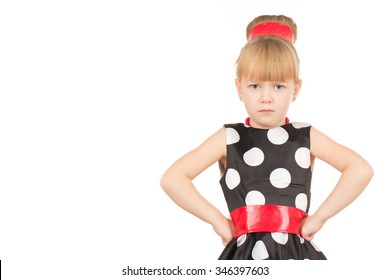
(268,59)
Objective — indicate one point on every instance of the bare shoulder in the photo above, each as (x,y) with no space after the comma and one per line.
(213,147)
(217,140)
(328,150)
(207,153)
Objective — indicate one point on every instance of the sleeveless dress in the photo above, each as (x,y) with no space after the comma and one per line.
(268,166)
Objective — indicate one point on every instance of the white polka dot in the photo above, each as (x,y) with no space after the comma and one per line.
(259,251)
(280,178)
(254,157)
(280,237)
(254,198)
(315,246)
(232,136)
(277,135)
(301,201)
(298,125)
(232,178)
(301,239)
(241,239)
(302,157)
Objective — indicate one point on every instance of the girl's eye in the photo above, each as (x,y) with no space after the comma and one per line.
(254,86)
(279,87)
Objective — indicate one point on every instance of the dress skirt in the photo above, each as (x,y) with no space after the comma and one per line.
(271,246)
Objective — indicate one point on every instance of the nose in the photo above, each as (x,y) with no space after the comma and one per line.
(265,95)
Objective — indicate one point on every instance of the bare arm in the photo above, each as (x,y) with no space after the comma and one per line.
(177,183)
(356,173)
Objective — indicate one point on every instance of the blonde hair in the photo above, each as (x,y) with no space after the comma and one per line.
(269,58)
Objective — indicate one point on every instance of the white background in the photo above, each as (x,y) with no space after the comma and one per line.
(98,98)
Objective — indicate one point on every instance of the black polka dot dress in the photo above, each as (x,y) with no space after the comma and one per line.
(268,167)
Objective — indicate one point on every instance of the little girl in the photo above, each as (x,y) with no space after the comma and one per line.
(266,162)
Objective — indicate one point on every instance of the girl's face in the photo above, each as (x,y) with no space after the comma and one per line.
(267,102)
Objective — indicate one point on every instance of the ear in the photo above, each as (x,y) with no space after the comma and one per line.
(238,86)
(297,88)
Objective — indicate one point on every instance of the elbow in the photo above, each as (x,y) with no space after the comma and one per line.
(164,181)
(361,170)
(366,172)
(370,172)
(168,180)
(173,180)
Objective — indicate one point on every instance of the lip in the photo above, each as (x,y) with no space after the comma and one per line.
(266,111)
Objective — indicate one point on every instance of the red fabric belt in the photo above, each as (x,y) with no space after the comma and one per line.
(267,218)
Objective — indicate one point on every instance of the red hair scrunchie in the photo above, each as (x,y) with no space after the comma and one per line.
(272,29)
